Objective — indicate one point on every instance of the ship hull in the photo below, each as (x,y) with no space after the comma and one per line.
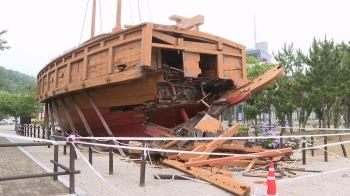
(127,123)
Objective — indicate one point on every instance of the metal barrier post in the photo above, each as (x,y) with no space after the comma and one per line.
(38,131)
(90,154)
(64,149)
(304,151)
(312,144)
(72,168)
(55,158)
(34,130)
(111,158)
(325,147)
(143,165)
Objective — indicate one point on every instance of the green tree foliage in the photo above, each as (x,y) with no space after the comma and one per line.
(324,75)
(14,82)
(259,102)
(3,42)
(19,104)
(293,86)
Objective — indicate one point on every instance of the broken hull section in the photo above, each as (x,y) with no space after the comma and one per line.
(129,123)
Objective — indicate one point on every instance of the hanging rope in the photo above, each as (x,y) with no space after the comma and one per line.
(83,22)
(166,21)
(138,5)
(149,12)
(99,2)
(110,9)
(132,21)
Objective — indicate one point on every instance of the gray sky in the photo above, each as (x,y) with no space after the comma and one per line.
(40,30)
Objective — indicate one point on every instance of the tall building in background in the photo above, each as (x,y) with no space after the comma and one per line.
(260,52)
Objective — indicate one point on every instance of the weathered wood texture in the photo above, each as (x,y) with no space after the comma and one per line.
(119,57)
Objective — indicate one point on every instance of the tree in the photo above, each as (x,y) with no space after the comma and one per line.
(295,87)
(259,102)
(19,104)
(3,41)
(324,60)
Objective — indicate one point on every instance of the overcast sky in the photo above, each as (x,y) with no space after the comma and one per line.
(39,30)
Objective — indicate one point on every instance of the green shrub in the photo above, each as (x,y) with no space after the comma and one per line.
(37,122)
(243,129)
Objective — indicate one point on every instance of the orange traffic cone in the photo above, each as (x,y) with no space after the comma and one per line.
(271,181)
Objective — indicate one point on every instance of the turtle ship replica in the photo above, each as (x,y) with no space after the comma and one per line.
(147,80)
(151,80)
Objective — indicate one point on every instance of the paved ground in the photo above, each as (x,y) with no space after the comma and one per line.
(14,162)
(126,176)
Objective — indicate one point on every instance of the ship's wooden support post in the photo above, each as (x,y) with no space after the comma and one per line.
(68,115)
(143,165)
(69,121)
(104,122)
(304,151)
(111,158)
(31,130)
(342,146)
(55,132)
(86,125)
(184,114)
(312,144)
(55,105)
(46,120)
(325,147)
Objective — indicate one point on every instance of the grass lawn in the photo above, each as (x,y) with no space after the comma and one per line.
(319,140)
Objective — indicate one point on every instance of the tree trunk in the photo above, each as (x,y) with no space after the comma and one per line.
(290,122)
(324,122)
(338,116)
(270,118)
(256,130)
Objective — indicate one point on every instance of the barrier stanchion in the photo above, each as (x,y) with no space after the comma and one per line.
(304,150)
(312,144)
(143,165)
(325,147)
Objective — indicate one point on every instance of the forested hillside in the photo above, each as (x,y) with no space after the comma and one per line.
(14,81)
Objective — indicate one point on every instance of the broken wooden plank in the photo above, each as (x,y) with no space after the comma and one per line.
(209,124)
(270,153)
(251,164)
(227,183)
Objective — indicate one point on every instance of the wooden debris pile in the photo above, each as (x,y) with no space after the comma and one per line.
(212,168)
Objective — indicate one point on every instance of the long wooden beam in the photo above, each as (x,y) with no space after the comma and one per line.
(257,83)
(46,119)
(210,147)
(56,108)
(225,182)
(103,121)
(270,153)
(69,118)
(86,125)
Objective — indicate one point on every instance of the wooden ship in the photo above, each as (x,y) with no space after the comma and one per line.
(148,80)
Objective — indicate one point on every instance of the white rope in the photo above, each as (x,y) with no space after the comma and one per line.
(32,139)
(207,138)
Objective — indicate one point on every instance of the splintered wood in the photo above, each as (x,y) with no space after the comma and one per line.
(212,169)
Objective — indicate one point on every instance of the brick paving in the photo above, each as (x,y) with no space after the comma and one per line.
(126,176)
(14,162)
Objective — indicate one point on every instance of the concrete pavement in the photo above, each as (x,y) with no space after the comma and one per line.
(126,177)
